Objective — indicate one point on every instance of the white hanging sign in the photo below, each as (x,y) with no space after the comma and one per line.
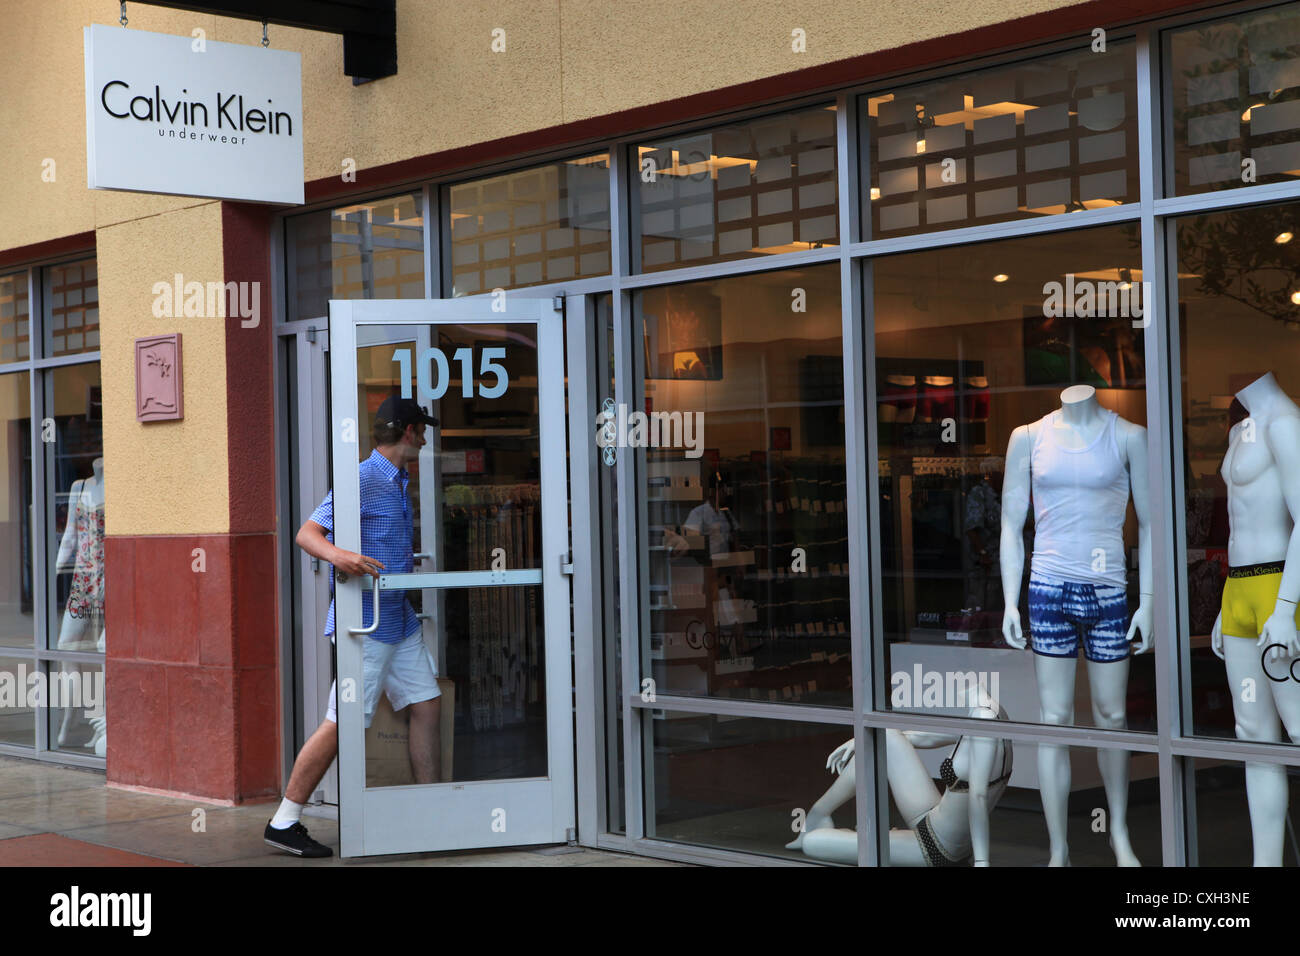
(167,114)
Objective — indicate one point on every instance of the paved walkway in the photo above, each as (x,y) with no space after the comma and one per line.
(89,824)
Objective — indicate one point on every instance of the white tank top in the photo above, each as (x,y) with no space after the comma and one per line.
(1080,500)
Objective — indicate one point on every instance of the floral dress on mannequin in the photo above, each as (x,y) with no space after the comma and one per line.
(85,607)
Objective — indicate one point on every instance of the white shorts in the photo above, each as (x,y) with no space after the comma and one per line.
(406,671)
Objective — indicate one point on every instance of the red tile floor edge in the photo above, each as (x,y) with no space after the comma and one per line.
(50,849)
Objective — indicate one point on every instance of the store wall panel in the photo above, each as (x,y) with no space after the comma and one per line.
(192,687)
(168,477)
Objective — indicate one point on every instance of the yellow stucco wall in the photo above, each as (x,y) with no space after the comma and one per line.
(167,477)
(565,60)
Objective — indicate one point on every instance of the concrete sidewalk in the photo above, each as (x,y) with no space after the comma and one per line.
(39,798)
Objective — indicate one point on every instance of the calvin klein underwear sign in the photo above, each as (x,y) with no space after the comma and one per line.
(165,114)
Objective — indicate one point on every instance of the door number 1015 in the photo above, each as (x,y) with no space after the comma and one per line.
(433,374)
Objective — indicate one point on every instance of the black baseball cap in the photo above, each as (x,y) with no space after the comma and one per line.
(400,412)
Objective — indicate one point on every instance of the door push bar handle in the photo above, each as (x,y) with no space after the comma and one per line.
(374,600)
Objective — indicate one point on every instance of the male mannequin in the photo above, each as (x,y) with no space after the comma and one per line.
(1081,462)
(1262,472)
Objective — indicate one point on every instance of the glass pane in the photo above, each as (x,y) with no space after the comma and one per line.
(370,250)
(1011,371)
(1234,85)
(71,308)
(486,646)
(933,820)
(17,622)
(544,224)
(1238,290)
(1240,816)
(477,478)
(459,493)
(756,188)
(738,783)
(742,422)
(1043,137)
(15,333)
(74,697)
(17,708)
(76,576)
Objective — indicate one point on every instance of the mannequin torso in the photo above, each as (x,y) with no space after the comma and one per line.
(1260,523)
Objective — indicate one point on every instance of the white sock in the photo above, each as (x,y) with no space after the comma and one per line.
(288,814)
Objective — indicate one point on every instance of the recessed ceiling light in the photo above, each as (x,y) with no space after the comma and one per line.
(1001,277)
(1283,238)
(1295,297)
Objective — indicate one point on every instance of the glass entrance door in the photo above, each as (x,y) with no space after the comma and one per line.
(454,700)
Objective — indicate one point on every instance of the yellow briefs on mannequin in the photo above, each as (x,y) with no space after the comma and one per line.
(1249,598)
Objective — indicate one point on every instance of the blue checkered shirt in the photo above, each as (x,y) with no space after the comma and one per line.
(386,536)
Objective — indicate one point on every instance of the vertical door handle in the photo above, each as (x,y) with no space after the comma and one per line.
(374,600)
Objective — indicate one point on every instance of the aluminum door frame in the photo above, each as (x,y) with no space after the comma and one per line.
(451,816)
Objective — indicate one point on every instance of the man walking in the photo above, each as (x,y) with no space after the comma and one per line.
(395,657)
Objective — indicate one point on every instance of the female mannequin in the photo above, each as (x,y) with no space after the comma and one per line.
(81,551)
(1257,624)
(1081,461)
(943,829)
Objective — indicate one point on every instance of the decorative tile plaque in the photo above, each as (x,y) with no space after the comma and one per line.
(159,393)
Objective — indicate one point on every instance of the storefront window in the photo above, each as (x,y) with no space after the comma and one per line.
(1234,87)
(78,722)
(756,188)
(17,624)
(370,250)
(738,783)
(544,224)
(71,308)
(1038,805)
(15,335)
(1229,829)
(1239,311)
(18,721)
(1048,136)
(1010,408)
(747,543)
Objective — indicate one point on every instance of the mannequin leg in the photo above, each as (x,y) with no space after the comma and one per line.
(905,849)
(837,794)
(1056,706)
(1108,681)
(910,783)
(1257,719)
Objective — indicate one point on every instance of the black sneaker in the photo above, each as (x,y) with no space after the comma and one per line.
(294,840)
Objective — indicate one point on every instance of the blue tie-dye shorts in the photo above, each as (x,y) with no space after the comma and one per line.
(1060,610)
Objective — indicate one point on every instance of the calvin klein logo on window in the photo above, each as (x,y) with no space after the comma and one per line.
(227,117)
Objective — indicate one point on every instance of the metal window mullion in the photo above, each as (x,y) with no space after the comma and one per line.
(42,517)
(1227,198)
(742,707)
(801,259)
(629,586)
(1011,229)
(1065,734)
(870,812)
(588,635)
(619,211)
(1162,478)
